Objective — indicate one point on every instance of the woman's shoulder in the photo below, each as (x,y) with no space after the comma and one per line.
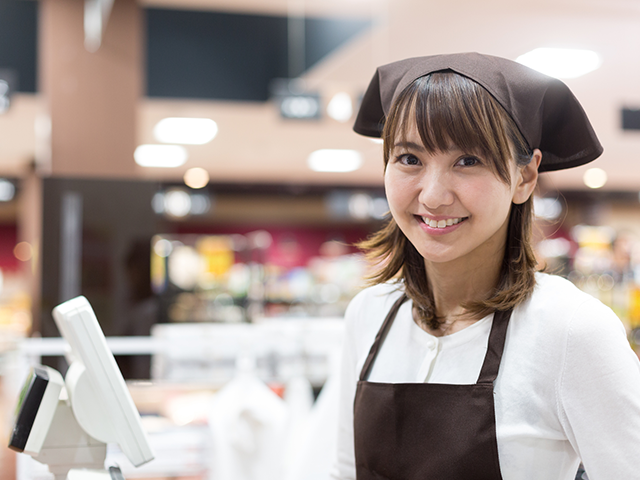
(370,306)
(380,292)
(560,323)
(557,302)
(376,297)
(555,289)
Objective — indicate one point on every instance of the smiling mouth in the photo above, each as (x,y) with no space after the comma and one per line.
(442,223)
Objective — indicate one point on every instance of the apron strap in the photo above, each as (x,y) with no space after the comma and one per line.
(495,347)
(382,334)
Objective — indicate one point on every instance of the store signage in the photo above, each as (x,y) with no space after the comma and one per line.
(294,100)
(300,106)
(8,84)
(631,118)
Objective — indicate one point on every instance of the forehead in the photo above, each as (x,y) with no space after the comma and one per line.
(407,134)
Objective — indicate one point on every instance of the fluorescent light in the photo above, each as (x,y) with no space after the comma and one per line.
(561,62)
(200,204)
(327,160)
(595,178)
(161,156)
(360,205)
(187,131)
(177,203)
(340,107)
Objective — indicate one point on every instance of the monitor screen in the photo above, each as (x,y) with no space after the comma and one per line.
(99,396)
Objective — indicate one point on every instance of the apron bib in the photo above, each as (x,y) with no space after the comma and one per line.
(428,431)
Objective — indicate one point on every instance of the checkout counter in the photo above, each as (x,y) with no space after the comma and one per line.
(267,380)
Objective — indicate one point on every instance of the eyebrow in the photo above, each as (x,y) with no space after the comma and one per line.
(409,145)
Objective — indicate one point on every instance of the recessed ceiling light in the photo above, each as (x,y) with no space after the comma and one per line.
(561,62)
(340,107)
(331,160)
(187,131)
(196,177)
(23,251)
(160,156)
(595,178)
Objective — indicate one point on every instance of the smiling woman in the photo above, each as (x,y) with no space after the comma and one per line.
(448,139)
(461,361)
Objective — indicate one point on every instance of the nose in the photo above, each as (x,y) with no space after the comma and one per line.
(435,191)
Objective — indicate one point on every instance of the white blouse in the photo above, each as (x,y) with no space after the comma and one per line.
(568,387)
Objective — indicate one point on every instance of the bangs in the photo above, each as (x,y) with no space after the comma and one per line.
(450,110)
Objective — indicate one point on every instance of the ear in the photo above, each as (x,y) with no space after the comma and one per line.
(527,178)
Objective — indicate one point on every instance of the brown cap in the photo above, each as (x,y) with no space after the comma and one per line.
(545,111)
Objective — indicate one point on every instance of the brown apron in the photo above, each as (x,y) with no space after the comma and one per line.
(428,431)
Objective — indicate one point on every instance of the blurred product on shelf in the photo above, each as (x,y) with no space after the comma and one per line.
(234,278)
(15,303)
(603,261)
(15,316)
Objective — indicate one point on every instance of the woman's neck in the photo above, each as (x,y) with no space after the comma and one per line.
(461,282)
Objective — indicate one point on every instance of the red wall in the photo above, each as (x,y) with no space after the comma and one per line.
(8,239)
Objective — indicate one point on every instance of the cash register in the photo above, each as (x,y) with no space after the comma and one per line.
(67,423)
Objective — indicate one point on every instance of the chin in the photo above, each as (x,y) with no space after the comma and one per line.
(436,257)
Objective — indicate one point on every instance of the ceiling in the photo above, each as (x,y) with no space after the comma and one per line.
(255,145)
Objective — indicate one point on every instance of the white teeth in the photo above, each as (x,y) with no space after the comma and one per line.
(441,223)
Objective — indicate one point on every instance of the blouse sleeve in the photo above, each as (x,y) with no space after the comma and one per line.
(599,393)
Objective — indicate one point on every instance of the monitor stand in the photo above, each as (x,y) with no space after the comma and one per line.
(67,446)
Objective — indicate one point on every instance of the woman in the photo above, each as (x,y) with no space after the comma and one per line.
(462,362)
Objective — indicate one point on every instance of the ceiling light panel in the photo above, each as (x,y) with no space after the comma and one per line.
(185,131)
(160,156)
(561,62)
(334,160)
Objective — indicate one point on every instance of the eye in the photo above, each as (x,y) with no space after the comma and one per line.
(469,161)
(408,159)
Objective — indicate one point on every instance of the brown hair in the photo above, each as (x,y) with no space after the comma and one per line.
(447,109)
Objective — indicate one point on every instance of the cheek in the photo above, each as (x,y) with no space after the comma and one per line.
(488,198)
(395,180)
(397,189)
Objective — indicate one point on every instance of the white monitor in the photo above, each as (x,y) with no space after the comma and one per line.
(97,391)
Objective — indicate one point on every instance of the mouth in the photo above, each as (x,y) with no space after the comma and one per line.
(441,224)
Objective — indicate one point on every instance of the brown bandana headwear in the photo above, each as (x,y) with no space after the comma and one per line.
(546,112)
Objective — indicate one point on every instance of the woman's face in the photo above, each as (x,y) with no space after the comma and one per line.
(450,205)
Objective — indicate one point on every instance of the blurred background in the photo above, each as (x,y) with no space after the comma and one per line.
(189,166)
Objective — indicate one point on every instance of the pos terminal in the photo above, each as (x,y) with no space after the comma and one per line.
(66,424)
